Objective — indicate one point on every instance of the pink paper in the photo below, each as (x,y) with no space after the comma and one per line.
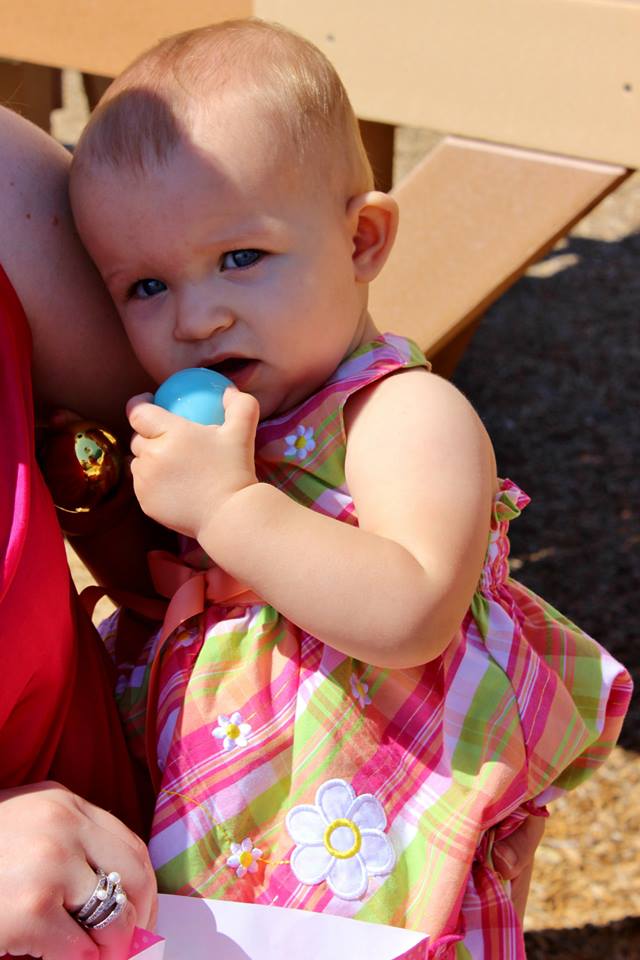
(146,945)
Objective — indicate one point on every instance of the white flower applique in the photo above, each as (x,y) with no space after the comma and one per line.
(300,443)
(341,840)
(360,691)
(232,731)
(244,857)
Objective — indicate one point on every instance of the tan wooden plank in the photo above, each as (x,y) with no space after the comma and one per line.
(472,217)
(556,75)
(101,36)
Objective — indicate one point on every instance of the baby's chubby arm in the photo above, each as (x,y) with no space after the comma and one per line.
(392,591)
(421,470)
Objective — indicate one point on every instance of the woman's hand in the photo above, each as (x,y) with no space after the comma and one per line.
(513,859)
(184,472)
(51,842)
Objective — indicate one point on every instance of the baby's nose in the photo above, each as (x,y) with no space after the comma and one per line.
(197,320)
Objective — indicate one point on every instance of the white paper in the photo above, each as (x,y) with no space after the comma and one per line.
(220,930)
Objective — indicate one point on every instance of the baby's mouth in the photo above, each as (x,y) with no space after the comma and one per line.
(237,369)
(229,366)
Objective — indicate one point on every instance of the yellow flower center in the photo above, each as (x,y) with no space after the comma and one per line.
(301,443)
(246,858)
(357,839)
(233,731)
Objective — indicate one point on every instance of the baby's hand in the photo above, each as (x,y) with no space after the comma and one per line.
(183,472)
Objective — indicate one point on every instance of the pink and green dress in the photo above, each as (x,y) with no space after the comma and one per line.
(290,774)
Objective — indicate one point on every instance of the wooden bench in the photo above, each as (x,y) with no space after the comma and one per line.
(557,80)
(473,217)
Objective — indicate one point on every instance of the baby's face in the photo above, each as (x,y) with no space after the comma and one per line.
(219,258)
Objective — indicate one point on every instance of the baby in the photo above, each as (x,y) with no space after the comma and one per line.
(351,699)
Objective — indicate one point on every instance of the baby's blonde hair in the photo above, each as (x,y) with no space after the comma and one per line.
(154,103)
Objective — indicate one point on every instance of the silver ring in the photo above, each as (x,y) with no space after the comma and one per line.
(105,904)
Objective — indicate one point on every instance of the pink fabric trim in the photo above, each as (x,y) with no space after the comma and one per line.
(190,589)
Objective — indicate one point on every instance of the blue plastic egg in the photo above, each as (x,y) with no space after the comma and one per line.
(194,393)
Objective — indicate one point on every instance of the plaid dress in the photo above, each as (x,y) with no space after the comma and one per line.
(290,774)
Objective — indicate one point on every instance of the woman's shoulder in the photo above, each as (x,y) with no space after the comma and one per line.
(36,222)
(33,178)
(80,356)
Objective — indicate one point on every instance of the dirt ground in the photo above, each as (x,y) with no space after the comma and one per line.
(553,371)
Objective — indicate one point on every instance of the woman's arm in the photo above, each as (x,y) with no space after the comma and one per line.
(81,358)
(391,592)
(50,839)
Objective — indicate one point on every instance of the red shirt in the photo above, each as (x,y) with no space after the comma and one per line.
(58,718)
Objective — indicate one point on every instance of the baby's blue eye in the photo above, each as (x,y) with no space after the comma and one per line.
(149,287)
(237,259)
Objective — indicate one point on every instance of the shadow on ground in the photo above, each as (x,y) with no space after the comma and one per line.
(615,941)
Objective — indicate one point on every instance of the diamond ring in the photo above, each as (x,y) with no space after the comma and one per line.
(105,904)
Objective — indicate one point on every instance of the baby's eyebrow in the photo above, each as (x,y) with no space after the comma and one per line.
(113,276)
(250,234)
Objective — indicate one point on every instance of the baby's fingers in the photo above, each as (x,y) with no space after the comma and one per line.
(147,418)
(241,412)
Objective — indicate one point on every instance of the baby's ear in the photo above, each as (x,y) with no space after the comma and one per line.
(374,221)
